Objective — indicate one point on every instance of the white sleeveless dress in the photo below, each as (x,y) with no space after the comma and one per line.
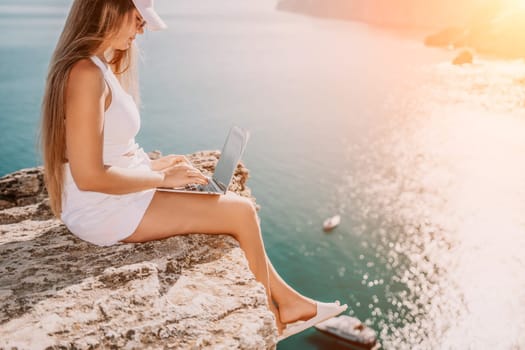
(100,218)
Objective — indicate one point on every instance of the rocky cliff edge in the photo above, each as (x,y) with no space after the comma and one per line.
(59,292)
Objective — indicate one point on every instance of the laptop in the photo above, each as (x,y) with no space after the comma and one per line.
(220,180)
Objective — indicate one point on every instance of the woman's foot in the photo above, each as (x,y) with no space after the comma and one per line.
(300,309)
(324,312)
(280,325)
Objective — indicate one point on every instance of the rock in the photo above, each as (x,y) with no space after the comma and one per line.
(401,14)
(186,292)
(463,57)
(446,37)
(23,187)
(499,34)
(493,28)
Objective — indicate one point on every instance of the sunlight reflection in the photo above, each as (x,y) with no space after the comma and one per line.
(445,181)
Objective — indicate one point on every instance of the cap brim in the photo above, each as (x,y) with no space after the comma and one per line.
(153,20)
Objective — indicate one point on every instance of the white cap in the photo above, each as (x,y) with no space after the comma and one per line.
(153,20)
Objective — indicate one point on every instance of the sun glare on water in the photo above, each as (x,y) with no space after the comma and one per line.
(445,182)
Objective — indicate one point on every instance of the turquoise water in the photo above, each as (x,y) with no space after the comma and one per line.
(421,159)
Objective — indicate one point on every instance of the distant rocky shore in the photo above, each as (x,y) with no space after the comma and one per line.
(501,36)
(491,28)
(59,292)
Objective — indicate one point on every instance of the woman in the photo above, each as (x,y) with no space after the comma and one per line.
(102,185)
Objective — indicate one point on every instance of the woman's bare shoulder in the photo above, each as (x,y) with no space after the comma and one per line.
(86,74)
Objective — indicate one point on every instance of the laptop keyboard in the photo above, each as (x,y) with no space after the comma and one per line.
(210,186)
(200,188)
(191,187)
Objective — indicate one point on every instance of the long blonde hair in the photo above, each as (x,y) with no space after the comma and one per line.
(89,24)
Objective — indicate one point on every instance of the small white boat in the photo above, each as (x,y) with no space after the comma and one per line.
(330,223)
(350,329)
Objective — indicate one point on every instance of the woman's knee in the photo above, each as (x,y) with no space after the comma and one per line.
(244,206)
(243,212)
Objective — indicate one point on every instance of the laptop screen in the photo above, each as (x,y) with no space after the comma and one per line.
(230,156)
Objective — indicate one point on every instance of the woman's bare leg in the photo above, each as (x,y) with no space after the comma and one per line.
(292,305)
(170,214)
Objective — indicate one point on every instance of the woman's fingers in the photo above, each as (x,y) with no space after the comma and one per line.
(196,173)
(191,171)
(188,170)
(178,158)
(202,179)
(196,177)
(183,174)
(182,166)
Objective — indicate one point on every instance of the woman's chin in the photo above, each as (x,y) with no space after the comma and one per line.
(124,47)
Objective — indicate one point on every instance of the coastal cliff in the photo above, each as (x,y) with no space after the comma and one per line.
(490,27)
(428,14)
(186,292)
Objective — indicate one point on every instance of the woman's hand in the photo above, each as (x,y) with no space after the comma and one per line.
(168,161)
(181,175)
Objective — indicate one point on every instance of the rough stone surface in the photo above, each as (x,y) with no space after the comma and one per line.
(186,292)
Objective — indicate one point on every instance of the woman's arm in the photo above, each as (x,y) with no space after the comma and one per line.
(86,94)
